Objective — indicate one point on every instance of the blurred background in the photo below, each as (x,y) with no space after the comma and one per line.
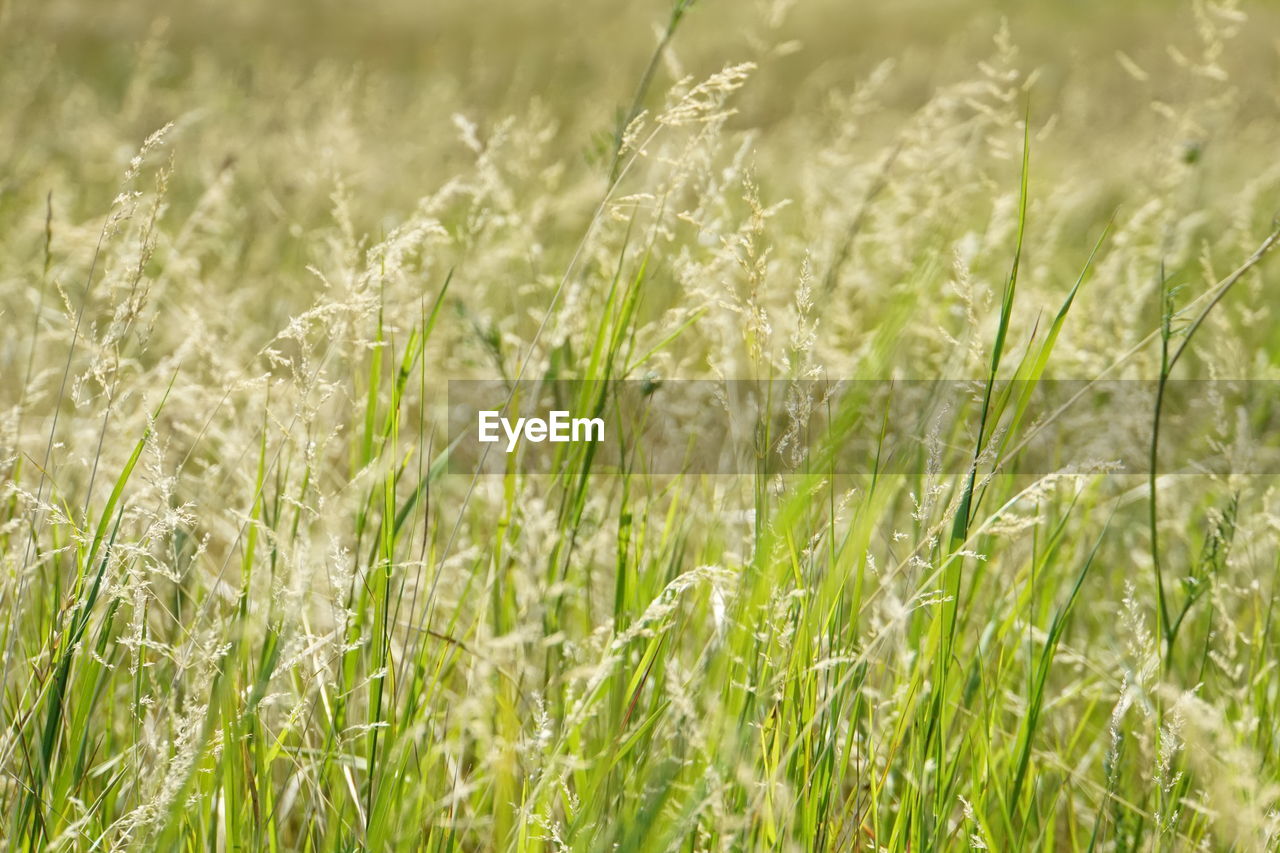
(581,62)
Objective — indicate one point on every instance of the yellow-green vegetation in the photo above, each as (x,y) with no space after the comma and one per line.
(247,604)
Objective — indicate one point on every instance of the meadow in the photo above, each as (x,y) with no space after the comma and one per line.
(251,603)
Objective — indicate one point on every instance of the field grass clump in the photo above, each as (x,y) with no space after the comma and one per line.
(248,604)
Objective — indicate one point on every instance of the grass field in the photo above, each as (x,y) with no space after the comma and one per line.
(250,602)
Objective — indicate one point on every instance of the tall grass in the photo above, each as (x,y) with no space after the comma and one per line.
(249,603)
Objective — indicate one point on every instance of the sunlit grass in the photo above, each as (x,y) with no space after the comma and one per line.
(249,604)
